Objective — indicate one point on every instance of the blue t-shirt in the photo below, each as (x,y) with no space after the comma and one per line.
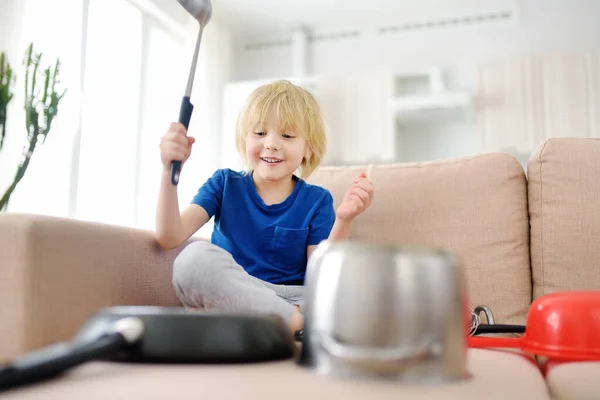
(268,241)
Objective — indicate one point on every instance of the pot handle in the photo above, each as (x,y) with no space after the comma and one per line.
(488,313)
(360,353)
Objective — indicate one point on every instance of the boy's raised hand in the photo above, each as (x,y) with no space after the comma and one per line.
(175,145)
(357,199)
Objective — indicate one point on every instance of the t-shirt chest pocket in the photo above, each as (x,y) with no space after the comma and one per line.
(288,247)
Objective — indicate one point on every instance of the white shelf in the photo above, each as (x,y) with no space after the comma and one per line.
(431,101)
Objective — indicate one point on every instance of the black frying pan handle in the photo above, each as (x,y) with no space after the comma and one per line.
(185,113)
(53,360)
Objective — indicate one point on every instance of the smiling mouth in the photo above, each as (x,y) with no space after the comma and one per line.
(271,160)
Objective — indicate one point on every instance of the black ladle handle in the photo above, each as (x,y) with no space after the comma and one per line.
(185,114)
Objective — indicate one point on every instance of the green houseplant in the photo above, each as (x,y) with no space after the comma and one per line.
(41,106)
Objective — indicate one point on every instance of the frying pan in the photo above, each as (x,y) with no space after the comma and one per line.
(561,326)
(158,335)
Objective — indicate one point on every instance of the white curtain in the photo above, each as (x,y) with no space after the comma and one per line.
(106,184)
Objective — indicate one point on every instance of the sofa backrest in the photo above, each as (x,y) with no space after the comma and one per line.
(564,208)
(475,207)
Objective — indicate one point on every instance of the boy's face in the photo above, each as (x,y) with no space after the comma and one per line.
(274,154)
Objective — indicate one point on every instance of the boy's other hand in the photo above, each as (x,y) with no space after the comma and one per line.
(357,199)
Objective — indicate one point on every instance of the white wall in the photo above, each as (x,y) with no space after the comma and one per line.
(435,135)
(540,26)
(11,17)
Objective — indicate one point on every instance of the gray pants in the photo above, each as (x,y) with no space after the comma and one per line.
(207,277)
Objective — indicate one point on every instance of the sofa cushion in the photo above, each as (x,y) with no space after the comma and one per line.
(564,192)
(475,207)
(574,381)
(495,375)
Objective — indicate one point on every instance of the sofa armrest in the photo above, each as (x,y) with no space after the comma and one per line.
(56,272)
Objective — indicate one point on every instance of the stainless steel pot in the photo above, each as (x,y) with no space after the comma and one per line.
(385,311)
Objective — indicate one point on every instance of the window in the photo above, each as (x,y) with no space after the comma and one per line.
(125,64)
(133,85)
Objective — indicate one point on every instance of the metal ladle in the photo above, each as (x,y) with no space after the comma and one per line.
(201,10)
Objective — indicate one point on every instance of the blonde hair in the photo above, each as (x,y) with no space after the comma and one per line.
(297,110)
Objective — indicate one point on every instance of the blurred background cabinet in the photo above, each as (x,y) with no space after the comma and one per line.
(382,116)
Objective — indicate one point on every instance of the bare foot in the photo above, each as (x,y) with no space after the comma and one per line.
(297,321)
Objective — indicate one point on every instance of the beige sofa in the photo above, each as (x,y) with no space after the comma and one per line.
(518,237)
